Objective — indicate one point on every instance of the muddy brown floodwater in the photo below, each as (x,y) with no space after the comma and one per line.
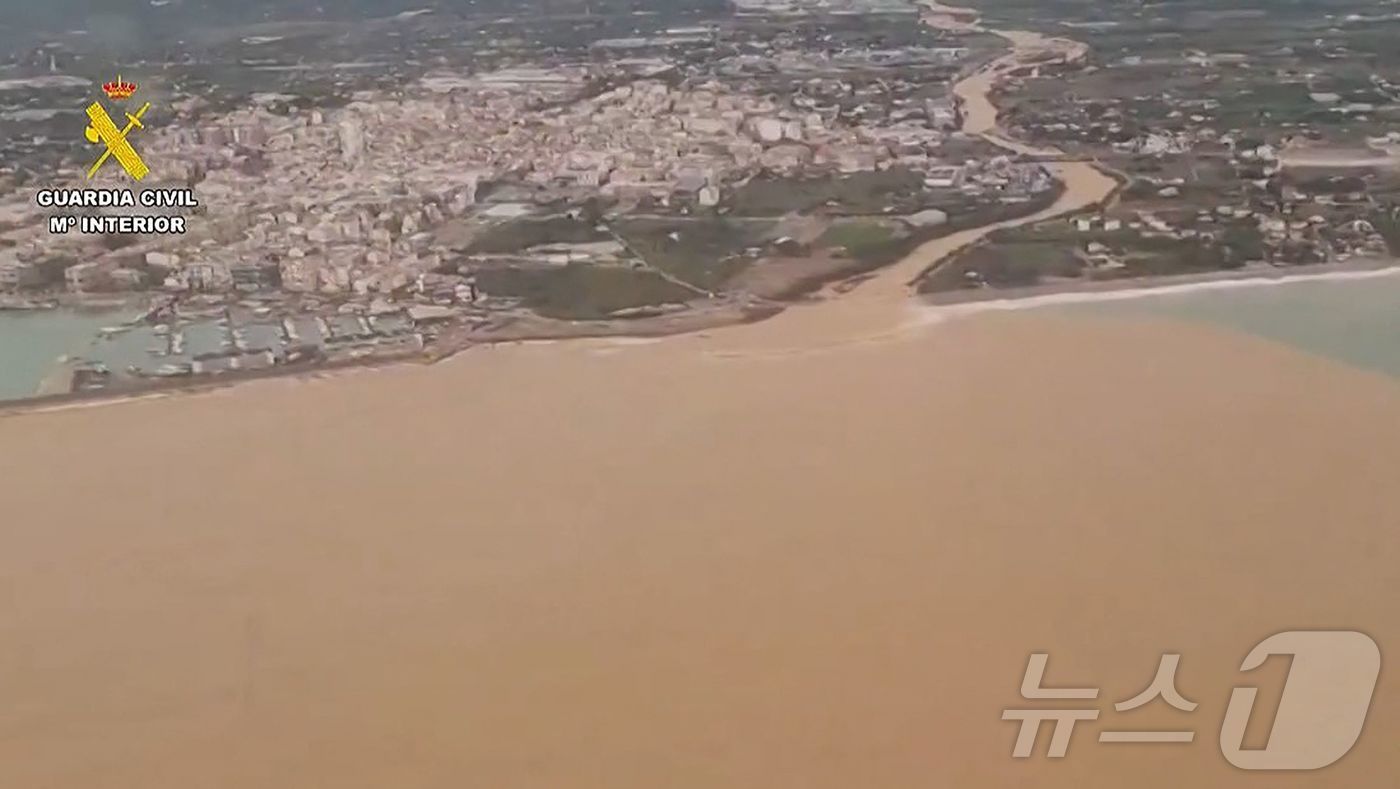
(812,552)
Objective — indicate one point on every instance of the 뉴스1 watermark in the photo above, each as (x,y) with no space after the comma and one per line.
(1320,714)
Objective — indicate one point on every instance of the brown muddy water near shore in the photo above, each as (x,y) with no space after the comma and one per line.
(810,552)
(605,564)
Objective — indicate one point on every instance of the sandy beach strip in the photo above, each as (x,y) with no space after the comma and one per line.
(960,303)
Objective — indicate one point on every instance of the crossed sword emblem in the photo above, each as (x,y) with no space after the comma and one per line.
(103,130)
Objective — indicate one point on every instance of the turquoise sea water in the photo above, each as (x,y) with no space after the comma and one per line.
(1356,321)
(1352,320)
(32,342)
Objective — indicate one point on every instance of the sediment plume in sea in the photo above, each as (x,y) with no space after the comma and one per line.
(549,565)
(811,552)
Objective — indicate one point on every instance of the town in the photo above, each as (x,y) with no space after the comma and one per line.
(693,172)
(627,173)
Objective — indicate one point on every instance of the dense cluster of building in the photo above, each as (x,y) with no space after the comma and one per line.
(345,200)
(801,7)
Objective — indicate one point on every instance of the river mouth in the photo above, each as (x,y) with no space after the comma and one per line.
(536,564)
(547,567)
(33,345)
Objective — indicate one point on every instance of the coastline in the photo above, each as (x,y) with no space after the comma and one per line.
(524,331)
(555,566)
(696,562)
(861,305)
(926,310)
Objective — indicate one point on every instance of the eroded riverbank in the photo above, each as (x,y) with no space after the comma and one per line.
(880,306)
(876,307)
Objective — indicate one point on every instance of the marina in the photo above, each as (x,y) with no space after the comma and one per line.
(63,350)
(1351,319)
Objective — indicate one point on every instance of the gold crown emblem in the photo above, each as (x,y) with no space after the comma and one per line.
(119,89)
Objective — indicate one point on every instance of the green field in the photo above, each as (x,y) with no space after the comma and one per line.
(703,252)
(861,193)
(581,292)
